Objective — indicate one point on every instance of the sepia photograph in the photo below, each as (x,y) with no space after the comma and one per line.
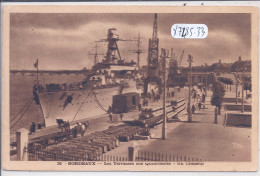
(130,88)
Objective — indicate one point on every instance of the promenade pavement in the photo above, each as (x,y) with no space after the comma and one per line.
(200,139)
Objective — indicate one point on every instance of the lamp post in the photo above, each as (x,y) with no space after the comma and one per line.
(243,87)
(236,87)
(164,55)
(190,60)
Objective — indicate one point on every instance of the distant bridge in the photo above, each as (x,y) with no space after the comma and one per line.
(68,72)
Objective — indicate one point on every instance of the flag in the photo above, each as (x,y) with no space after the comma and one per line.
(36,64)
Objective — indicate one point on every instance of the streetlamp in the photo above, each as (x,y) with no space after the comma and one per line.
(164,55)
(243,87)
(190,60)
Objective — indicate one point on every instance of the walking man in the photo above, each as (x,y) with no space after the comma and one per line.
(139,107)
(32,128)
(199,105)
(193,108)
(121,116)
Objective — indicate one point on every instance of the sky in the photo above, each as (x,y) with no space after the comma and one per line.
(65,41)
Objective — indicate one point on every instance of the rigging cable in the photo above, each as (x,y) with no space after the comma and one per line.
(22,114)
(22,109)
(81,105)
(49,108)
(99,104)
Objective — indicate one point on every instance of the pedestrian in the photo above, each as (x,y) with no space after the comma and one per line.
(40,125)
(194,96)
(198,97)
(109,109)
(32,128)
(146,102)
(203,97)
(65,127)
(193,108)
(149,95)
(84,127)
(110,117)
(157,97)
(153,95)
(204,89)
(74,132)
(139,106)
(34,87)
(199,105)
(121,116)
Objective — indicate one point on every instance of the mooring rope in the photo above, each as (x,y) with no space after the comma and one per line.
(22,109)
(99,104)
(81,105)
(49,107)
(22,114)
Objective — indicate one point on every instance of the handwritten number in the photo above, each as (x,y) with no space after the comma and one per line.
(198,28)
(175,30)
(203,32)
(180,31)
(191,32)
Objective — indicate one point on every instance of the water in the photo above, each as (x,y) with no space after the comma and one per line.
(23,109)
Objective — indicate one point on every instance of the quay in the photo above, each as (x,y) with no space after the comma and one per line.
(201,138)
(48,135)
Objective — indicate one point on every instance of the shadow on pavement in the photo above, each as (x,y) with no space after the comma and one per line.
(199,113)
(195,122)
(237,126)
(156,138)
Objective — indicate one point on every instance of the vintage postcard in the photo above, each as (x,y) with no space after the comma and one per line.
(130,88)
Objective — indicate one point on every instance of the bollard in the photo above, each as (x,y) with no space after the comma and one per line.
(22,144)
(131,153)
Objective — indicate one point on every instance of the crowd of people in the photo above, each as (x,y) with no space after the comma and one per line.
(199,98)
(78,128)
(33,127)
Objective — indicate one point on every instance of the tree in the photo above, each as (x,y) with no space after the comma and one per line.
(217,97)
(216,100)
(226,81)
(218,89)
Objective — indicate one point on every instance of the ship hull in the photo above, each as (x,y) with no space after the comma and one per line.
(78,104)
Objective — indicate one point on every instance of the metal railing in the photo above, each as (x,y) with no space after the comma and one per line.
(157,156)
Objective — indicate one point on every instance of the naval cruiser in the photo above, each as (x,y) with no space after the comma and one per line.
(92,96)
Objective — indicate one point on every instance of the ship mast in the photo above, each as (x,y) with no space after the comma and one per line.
(95,54)
(36,65)
(138,51)
(112,48)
